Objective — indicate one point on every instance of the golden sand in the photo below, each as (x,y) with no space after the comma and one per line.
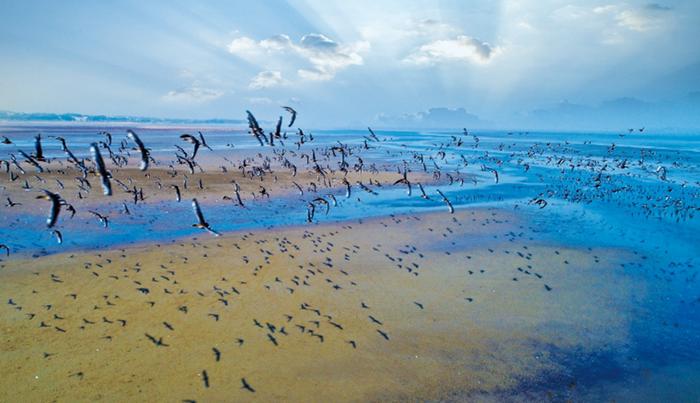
(476,334)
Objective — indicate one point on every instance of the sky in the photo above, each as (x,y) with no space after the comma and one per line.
(500,64)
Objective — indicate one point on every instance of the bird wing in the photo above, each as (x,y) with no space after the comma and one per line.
(101,170)
(144,153)
(198,212)
(294,115)
(204,143)
(55,209)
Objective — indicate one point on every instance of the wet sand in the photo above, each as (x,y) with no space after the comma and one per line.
(461,298)
(156,184)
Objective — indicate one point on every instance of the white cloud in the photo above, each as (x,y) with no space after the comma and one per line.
(461,48)
(193,94)
(242,45)
(325,56)
(641,19)
(277,42)
(266,79)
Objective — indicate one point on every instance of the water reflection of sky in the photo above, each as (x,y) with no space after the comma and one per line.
(665,328)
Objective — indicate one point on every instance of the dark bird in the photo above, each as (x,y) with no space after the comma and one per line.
(32,161)
(104,220)
(205,378)
(246,385)
(177,192)
(323,201)
(217,353)
(5,140)
(101,169)
(294,115)
(422,191)
(108,137)
(204,142)
(310,211)
(58,235)
(492,170)
(418,304)
(38,150)
(540,202)
(201,222)
(444,199)
(143,165)
(157,342)
(272,339)
(405,181)
(7,250)
(55,200)
(192,140)
(384,334)
(255,129)
(10,203)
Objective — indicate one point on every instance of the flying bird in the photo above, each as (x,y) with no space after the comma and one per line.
(103,219)
(422,191)
(204,142)
(101,170)
(192,140)
(405,181)
(32,161)
(323,201)
(255,129)
(201,222)
(246,385)
(177,192)
(58,235)
(294,115)
(38,150)
(55,200)
(142,149)
(449,205)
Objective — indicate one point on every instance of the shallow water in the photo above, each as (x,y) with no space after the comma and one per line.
(633,210)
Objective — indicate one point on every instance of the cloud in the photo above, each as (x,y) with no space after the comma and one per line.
(400,30)
(461,48)
(193,94)
(641,19)
(266,79)
(242,45)
(325,56)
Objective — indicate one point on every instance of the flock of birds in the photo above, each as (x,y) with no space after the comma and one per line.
(616,175)
(609,178)
(96,168)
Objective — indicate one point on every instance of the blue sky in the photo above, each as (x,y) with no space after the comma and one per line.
(507,63)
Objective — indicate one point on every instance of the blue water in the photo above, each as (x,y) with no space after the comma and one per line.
(667,206)
(632,207)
